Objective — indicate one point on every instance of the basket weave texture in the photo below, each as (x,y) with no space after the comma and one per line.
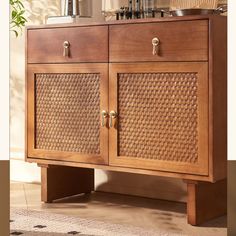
(158,116)
(68,112)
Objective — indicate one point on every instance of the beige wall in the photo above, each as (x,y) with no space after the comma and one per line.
(141,185)
(150,186)
(36,11)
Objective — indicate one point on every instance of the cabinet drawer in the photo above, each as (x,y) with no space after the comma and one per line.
(179,41)
(87,44)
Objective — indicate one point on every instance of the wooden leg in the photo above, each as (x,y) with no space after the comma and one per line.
(206,201)
(62,181)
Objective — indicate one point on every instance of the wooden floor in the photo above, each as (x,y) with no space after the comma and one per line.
(120,209)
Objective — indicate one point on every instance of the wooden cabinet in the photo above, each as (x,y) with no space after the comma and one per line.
(64,104)
(106,96)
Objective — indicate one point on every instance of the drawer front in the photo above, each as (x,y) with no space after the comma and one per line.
(179,41)
(87,44)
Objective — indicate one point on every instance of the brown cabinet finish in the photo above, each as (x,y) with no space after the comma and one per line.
(162,118)
(64,103)
(86,44)
(179,41)
(164,113)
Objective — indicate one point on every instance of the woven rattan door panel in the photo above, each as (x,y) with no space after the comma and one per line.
(162,121)
(64,107)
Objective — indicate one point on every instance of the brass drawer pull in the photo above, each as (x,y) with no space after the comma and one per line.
(113,115)
(155,45)
(104,116)
(66,46)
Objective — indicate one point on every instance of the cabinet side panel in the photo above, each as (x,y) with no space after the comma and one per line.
(218,97)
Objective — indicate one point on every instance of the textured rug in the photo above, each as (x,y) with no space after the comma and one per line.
(27,222)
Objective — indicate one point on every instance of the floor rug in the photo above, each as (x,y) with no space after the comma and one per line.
(27,222)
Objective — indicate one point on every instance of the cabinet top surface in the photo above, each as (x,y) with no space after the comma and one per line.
(134,21)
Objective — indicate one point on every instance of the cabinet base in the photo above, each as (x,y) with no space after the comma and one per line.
(206,201)
(62,181)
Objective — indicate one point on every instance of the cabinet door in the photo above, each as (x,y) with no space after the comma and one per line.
(162,116)
(64,104)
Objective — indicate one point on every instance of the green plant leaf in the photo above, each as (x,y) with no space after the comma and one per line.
(13,14)
(16,33)
(23,18)
(17,19)
(21,4)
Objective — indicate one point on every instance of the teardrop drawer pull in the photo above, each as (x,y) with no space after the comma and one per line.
(66,46)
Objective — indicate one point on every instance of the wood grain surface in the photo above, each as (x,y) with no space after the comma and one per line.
(86,45)
(179,41)
(206,201)
(63,181)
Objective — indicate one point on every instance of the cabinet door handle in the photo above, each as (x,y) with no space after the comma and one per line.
(113,115)
(104,116)
(66,46)
(155,46)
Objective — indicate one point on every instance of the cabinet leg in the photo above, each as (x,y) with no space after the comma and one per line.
(206,201)
(62,181)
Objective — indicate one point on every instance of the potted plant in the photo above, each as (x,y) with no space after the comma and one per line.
(17,16)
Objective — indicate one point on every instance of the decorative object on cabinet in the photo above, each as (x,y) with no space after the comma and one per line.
(186,4)
(133,97)
(76,7)
(85,11)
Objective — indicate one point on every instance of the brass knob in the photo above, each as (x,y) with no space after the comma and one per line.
(155,46)
(66,46)
(113,115)
(104,116)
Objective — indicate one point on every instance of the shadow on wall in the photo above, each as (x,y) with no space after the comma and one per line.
(141,185)
(125,200)
(17,111)
(37,11)
(17,96)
